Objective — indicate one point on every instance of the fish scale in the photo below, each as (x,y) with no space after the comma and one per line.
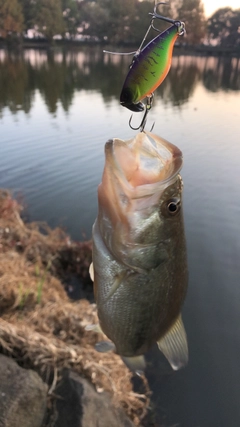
(121,319)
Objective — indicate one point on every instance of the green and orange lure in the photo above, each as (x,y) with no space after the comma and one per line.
(149,67)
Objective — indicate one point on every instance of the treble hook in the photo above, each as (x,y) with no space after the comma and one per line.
(144,119)
(149,67)
(155,15)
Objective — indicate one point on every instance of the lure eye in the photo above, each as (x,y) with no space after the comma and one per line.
(173,206)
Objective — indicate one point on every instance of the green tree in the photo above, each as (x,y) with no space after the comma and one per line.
(126,20)
(49,18)
(29,9)
(141,21)
(71,16)
(11,18)
(192,13)
(95,20)
(110,20)
(223,27)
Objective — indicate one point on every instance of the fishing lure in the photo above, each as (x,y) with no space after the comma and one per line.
(149,67)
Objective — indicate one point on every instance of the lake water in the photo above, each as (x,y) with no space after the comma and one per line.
(56,113)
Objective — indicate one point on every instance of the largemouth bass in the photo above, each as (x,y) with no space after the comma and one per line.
(139,252)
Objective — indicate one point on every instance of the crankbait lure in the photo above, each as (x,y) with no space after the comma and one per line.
(149,67)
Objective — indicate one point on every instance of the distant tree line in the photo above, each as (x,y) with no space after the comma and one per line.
(114,21)
(224,27)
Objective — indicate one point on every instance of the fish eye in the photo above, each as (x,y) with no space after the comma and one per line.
(173,206)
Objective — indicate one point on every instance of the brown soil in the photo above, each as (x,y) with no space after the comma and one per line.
(40,326)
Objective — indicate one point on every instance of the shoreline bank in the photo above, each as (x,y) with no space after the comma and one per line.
(41,328)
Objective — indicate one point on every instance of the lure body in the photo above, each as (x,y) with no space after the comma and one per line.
(149,68)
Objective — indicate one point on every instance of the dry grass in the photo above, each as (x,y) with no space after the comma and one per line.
(40,326)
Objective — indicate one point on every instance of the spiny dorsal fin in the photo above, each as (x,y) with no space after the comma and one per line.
(174,345)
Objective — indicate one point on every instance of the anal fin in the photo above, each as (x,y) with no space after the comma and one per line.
(136,364)
(174,345)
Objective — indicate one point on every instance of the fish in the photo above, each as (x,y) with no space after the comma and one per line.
(139,252)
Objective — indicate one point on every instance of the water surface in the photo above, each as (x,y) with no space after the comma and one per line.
(56,113)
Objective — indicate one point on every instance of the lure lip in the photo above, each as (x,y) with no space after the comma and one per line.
(133,107)
(126,100)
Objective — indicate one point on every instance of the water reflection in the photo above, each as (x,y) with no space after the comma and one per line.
(16,91)
(221,73)
(182,80)
(58,75)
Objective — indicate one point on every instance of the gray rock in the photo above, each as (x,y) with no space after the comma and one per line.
(23,396)
(79,405)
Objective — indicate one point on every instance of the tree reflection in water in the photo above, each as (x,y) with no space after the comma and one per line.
(58,75)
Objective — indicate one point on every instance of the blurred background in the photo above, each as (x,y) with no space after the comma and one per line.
(59,104)
(119,21)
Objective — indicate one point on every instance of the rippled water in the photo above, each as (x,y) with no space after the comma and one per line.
(56,113)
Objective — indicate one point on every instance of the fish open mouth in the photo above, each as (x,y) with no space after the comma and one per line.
(144,161)
(136,173)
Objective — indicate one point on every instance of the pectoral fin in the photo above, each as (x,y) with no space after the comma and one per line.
(117,282)
(174,345)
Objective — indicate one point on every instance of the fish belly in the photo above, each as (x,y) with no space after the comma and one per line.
(144,305)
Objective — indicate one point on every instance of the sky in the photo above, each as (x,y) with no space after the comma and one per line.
(211,6)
